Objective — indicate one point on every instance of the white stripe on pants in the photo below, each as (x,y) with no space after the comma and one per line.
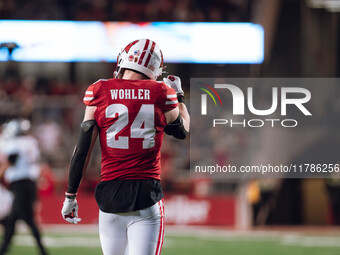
(133,233)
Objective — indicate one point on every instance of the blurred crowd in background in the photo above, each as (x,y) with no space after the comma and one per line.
(132,10)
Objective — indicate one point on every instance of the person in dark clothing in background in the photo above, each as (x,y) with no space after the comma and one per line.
(20,169)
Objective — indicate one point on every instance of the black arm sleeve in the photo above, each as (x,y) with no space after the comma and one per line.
(176,129)
(79,155)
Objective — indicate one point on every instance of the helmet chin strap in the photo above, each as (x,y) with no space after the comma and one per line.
(160,72)
(117,72)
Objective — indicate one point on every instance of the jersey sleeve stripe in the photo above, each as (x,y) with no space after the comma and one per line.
(89,93)
(171,96)
(171,102)
(88,98)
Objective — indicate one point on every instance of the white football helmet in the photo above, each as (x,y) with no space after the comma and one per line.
(15,128)
(143,56)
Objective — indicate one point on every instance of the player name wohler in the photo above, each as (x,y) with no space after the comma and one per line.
(141,94)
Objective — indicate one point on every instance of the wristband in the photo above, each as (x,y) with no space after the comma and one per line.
(70,196)
(180,98)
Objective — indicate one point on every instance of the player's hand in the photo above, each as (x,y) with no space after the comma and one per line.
(175,83)
(70,210)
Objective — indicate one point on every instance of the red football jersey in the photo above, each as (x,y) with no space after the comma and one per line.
(131,120)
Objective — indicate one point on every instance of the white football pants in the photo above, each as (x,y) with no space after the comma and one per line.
(133,233)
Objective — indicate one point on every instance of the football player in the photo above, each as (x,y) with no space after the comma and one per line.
(21,170)
(131,113)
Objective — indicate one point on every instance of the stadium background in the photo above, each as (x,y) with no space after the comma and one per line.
(292,216)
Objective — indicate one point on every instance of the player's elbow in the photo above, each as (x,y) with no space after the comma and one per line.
(181,135)
(177,129)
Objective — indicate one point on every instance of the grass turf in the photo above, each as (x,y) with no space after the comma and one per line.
(180,244)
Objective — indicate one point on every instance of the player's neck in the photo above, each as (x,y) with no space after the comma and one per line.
(131,75)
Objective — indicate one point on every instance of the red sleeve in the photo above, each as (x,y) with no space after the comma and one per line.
(168,98)
(91,94)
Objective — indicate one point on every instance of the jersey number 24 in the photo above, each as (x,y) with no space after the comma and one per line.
(144,117)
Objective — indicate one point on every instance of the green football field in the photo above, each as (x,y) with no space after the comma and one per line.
(194,241)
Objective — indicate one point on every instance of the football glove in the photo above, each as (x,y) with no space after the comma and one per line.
(70,210)
(175,83)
